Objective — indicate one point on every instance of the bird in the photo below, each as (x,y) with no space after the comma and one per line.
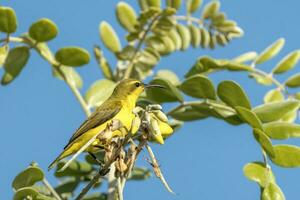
(119,106)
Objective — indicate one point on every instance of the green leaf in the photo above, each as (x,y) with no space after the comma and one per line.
(109,37)
(272,192)
(287,63)
(232,94)
(188,113)
(70,73)
(168,75)
(154,3)
(249,117)
(8,20)
(185,36)
(198,86)
(164,25)
(28,177)
(103,63)
(193,5)
(274,95)
(76,168)
(143,5)
(174,4)
(98,92)
(29,193)
(195,35)
(149,56)
(14,63)
(3,54)
(282,130)
(257,172)
(286,156)
(175,37)
(270,51)
(210,9)
(72,56)
(274,111)
(264,142)
(293,81)
(95,196)
(246,57)
(67,186)
(139,173)
(290,117)
(126,16)
(43,30)
(262,79)
(126,53)
(205,38)
(169,94)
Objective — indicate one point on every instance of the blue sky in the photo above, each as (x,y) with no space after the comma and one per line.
(203,160)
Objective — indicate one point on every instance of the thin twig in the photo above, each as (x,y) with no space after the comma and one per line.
(120,189)
(103,171)
(51,189)
(157,170)
(139,45)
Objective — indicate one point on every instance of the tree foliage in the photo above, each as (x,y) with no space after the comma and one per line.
(155,31)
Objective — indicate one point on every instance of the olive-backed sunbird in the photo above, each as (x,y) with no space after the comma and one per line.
(119,106)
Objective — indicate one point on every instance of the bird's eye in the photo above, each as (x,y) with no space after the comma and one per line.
(137,84)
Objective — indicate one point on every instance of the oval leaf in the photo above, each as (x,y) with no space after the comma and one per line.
(274,95)
(198,86)
(274,111)
(174,4)
(232,94)
(195,35)
(43,30)
(293,81)
(287,62)
(249,56)
(193,5)
(270,51)
(109,37)
(14,63)
(286,156)
(272,192)
(8,20)
(188,113)
(99,92)
(264,142)
(169,94)
(72,56)
(168,75)
(126,16)
(282,130)
(257,172)
(185,36)
(70,73)
(249,117)
(76,168)
(28,177)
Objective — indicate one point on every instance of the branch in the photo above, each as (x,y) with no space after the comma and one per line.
(104,170)
(51,189)
(157,170)
(139,45)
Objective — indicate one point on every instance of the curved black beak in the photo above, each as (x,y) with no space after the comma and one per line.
(154,86)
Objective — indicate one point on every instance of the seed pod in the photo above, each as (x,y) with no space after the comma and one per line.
(136,122)
(161,116)
(154,127)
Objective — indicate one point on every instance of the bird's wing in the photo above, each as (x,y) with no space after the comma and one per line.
(105,112)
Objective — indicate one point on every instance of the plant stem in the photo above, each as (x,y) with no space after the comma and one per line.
(139,45)
(274,80)
(51,189)
(189,19)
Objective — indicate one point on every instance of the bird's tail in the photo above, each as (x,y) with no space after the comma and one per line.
(61,156)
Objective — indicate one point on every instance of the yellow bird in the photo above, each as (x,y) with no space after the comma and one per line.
(119,106)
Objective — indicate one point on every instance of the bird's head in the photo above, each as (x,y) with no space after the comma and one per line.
(131,87)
